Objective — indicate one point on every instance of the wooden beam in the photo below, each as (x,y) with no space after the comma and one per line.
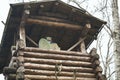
(22,23)
(20,73)
(83,34)
(98,69)
(54,24)
(92,31)
(8,70)
(61,52)
(85,30)
(82,46)
(52,73)
(13,59)
(94,54)
(22,34)
(42,77)
(96,63)
(76,44)
(31,41)
(54,62)
(51,19)
(20,44)
(52,67)
(11,77)
(56,56)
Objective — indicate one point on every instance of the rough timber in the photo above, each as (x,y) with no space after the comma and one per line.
(71,28)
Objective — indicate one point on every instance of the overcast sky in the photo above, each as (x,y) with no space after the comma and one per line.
(4,7)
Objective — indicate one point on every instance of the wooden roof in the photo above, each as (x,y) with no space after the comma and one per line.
(52,11)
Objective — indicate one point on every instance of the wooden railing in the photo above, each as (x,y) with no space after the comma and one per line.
(37,64)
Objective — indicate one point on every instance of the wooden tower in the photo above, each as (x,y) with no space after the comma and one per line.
(72,29)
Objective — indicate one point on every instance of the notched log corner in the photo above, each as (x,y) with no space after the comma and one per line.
(20,44)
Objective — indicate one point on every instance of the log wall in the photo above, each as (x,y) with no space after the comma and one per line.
(40,64)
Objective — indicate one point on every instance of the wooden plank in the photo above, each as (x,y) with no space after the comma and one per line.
(57,56)
(52,73)
(52,67)
(50,19)
(54,24)
(61,52)
(38,77)
(54,62)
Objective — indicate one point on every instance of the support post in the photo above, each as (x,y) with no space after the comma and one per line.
(22,24)
(82,47)
(83,34)
(21,44)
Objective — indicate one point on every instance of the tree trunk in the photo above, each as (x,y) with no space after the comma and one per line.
(116,37)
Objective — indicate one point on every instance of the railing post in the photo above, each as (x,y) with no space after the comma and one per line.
(21,44)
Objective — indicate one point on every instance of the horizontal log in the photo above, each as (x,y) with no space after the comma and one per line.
(100,76)
(54,24)
(57,56)
(62,73)
(20,43)
(50,19)
(8,70)
(53,62)
(33,49)
(11,77)
(96,63)
(94,55)
(93,52)
(58,24)
(38,77)
(98,69)
(52,67)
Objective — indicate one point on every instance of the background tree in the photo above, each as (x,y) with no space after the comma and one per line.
(116,37)
(105,50)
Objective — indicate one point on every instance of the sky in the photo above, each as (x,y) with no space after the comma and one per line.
(4,9)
